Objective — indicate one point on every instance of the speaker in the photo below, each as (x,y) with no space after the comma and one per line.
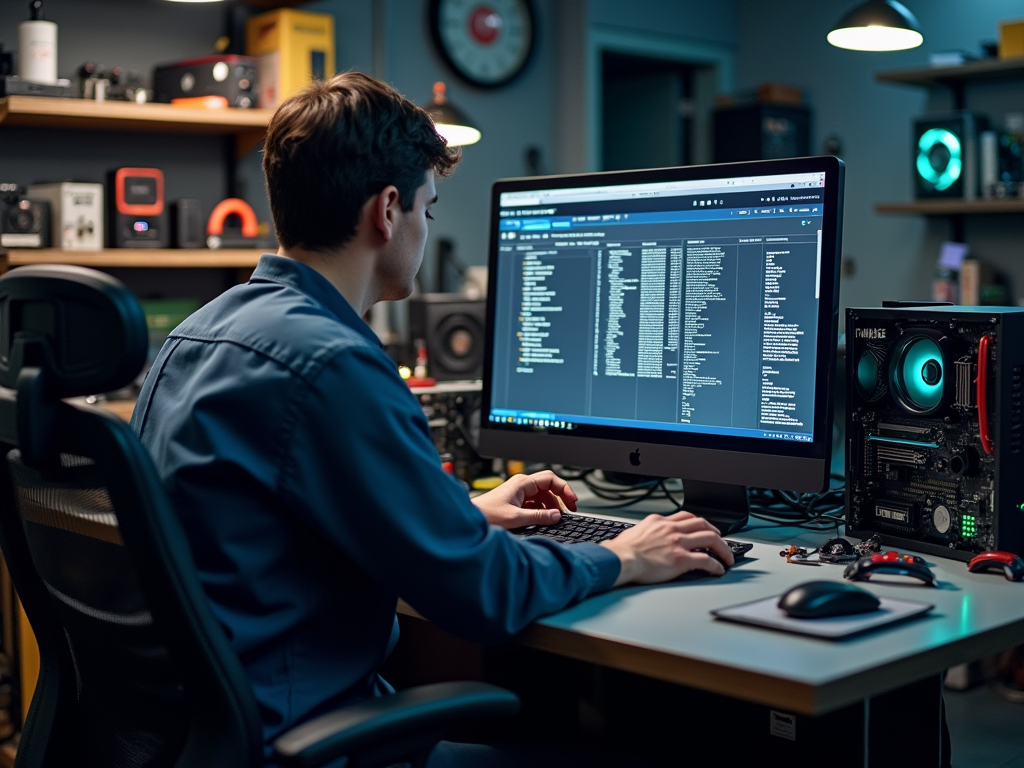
(187,224)
(945,155)
(453,328)
(138,217)
(934,428)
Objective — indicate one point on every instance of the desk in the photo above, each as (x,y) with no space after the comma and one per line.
(666,632)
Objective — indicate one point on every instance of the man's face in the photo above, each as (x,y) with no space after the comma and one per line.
(404,254)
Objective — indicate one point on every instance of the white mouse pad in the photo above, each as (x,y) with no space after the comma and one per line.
(766,613)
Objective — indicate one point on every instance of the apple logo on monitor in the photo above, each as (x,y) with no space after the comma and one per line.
(634,458)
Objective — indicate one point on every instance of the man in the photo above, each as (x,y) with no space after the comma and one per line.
(302,466)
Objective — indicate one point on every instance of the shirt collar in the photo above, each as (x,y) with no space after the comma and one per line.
(280,269)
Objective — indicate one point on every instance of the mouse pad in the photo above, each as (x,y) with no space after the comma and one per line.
(766,613)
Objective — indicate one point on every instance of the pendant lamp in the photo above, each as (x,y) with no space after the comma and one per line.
(877,25)
(451,123)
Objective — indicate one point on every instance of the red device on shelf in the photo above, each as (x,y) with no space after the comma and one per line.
(138,216)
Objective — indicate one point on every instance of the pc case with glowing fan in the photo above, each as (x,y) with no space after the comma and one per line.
(934,454)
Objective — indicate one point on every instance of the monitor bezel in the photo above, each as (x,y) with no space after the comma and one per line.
(789,465)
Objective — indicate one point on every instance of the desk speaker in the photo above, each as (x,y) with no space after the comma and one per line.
(945,156)
(934,428)
(453,328)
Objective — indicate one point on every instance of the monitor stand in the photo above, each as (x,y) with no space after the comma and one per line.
(725,506)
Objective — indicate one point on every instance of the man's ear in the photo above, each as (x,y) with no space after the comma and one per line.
(384,208)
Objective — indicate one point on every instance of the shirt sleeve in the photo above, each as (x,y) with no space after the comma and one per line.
(363,471)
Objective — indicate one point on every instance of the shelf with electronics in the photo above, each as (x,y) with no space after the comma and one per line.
(246,126)
(957,79)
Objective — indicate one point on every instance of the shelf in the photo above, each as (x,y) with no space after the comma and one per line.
(139,257)
(952,207)
(975,70)
(248,125)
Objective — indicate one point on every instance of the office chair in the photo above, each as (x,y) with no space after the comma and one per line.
(134,668)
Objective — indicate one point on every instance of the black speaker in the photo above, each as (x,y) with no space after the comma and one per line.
(934,435)
(453,328)
(187,224)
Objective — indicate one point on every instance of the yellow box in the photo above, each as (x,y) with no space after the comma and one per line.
(292,48)
(1011,39)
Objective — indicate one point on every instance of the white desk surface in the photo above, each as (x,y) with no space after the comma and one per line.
(667,632)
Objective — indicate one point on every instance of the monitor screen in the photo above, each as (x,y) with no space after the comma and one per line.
(674,322)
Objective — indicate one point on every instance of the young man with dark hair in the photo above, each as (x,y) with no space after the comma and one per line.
(302,466)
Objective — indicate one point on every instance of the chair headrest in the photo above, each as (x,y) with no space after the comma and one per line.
(84,328)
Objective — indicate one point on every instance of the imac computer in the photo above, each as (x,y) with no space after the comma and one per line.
(675,322)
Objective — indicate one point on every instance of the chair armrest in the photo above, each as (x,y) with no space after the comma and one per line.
(410,720)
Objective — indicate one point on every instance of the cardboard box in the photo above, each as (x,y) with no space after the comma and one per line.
(1011,39)
(292,48)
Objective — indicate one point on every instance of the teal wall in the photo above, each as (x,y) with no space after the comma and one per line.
(893,256)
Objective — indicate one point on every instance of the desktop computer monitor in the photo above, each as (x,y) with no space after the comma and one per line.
(676,322)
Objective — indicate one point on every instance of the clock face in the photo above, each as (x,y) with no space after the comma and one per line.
(487,42)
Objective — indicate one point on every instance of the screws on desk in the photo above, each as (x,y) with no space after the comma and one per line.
(797,555)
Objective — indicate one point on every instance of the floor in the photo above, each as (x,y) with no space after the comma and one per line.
(986,730)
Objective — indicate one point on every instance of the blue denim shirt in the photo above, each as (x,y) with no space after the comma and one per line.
(308,486)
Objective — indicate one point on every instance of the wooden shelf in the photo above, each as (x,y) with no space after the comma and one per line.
(976,70)
(248,125)
(140,257)
(953,207)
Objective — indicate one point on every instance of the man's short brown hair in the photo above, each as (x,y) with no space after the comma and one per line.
(334,145)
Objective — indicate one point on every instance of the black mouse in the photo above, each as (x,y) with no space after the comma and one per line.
(820,599)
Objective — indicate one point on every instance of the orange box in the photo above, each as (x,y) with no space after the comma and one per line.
(1011,39)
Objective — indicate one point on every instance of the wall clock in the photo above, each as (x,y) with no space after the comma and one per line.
(486,42)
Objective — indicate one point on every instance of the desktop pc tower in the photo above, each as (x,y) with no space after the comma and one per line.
(933,428)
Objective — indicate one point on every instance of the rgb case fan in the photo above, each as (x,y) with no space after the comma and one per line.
(945,155)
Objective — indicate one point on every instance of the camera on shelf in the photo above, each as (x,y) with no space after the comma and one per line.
(24,223)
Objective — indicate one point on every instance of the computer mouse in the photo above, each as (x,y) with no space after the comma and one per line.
(821,599)
(866,567)
(1010,564)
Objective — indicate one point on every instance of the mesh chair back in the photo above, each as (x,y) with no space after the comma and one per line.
(131,703)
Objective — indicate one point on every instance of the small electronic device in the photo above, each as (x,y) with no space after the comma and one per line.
(1011,565)
(452,328)
(678,322)
(138,216)
(24,223)
(866,567)
(233,224)
(187,225)
(77,214)
(822,599)
(12,85)
(945,155)
(227,75)
(453,414)
(761,132)
(934,432)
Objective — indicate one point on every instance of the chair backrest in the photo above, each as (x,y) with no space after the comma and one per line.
(134,668)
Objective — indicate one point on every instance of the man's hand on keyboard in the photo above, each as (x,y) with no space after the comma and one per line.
(526,500)
(660,548)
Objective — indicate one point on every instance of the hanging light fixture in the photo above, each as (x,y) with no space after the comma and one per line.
(450,122)
(877,25)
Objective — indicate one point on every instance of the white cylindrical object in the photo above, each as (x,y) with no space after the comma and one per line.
(37,51)
(989,162)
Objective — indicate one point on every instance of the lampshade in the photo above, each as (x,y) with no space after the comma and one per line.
(450,122)
(877,25)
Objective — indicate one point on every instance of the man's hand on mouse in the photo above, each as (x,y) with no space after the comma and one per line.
(660,548)
(526,500)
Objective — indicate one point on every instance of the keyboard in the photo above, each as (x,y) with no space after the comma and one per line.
(577,529)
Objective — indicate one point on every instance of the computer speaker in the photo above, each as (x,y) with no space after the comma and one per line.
(453,328)
(945,155)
